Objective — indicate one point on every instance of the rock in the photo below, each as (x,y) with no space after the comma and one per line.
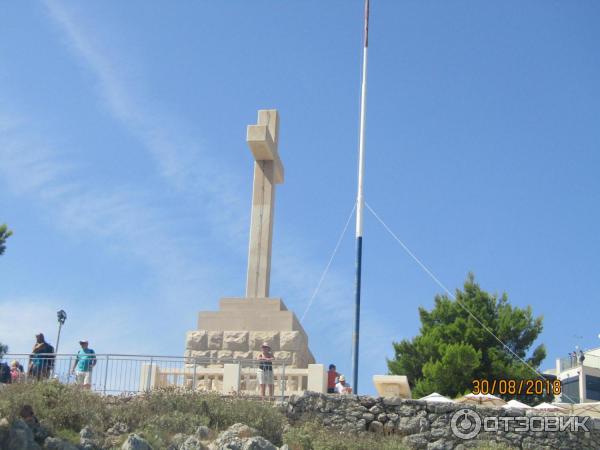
(416,441)
(178,439)
(393,417)
(440,407)
(235,340)
(135,442)
(284,447)
(438,433)
(376,427)
(393,401)
(203,432)
(356,414)
(368,417)
(257,443)
(411,425)
(86,433)
(20,437)
(118,429)
(230,444)
(4,432)
(88,439)
(366,401)
(241,430)
(361,425)
(233,437)
(52,443)
(192,443)
(388,428)
(40,432)
(376,410)
(440,445)
(405,410)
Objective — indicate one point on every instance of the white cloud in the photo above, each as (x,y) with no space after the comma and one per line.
(179,158)
(126,220)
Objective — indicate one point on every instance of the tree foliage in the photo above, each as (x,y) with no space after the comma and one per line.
(453,348)
(5,233)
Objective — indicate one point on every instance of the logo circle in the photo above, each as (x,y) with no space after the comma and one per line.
(465,423)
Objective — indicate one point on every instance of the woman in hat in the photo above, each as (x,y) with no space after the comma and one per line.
(265,370)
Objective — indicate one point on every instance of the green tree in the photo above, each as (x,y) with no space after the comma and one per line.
(453,349)
(5,233)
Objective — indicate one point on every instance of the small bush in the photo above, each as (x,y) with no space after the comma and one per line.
(159,414)
(312,436)
(59,406)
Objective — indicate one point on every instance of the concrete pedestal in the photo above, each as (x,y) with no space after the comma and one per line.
(240,327)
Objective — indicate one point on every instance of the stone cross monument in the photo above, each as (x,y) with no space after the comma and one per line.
(241,325)
(268,171)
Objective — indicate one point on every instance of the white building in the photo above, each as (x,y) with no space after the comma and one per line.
(580,379)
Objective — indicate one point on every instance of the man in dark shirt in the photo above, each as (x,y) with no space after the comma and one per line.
(41,360)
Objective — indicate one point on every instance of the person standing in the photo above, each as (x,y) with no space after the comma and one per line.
(581,357)
(5,376)
(84,364)
(265,370)
(41,360)
(332,378)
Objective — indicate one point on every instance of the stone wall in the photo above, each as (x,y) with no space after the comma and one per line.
(424,425)
(290,347)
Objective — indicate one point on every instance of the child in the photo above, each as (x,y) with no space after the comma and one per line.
(16,371)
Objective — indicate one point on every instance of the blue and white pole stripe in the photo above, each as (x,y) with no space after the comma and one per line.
(360,204)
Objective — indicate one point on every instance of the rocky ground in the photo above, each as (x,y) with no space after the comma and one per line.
(20,435)
(71,418)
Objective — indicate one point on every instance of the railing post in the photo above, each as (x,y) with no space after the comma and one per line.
(69,369)
(105,375)
(148,379)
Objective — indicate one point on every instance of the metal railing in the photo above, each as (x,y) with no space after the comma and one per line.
(128,374)
(570,363)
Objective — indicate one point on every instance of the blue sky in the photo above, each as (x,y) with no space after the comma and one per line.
(125,175)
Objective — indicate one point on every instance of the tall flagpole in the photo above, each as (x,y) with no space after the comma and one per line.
(360,203)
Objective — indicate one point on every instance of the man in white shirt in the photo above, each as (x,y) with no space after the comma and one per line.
(342,387)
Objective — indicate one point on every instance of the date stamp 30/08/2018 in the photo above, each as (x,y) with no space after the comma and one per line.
(517,387)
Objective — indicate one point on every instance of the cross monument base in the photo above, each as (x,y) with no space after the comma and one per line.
(240,327)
